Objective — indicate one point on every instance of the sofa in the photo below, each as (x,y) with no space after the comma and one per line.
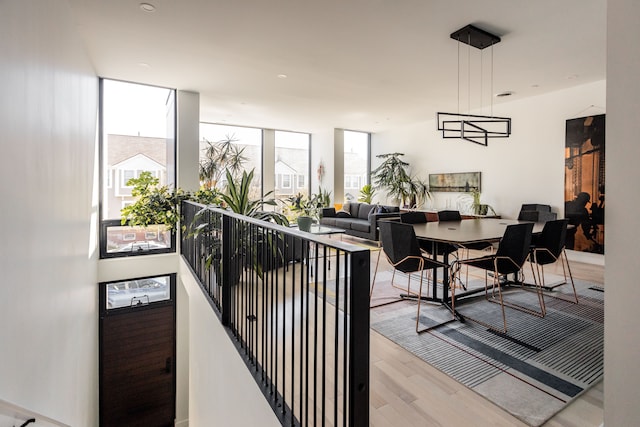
(359,219)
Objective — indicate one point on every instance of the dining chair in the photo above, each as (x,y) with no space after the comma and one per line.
(451,215)
(414,217)
(549,247)
(400,246)
(513,252)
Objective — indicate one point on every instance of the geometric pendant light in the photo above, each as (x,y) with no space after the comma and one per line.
(472,127)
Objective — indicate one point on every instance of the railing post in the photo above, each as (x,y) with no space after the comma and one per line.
(359,334)
(225,307)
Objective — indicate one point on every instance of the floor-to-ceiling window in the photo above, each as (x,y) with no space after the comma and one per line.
(291,164)
(137,136)
(356,163)
(235,147)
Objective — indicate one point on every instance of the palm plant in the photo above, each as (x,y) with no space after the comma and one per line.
(221,157)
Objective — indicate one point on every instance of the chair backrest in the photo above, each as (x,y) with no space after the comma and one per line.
(528,216)
(552,238)
(449,216)
(515,244)
(413,217)
(398,242)
(535,207)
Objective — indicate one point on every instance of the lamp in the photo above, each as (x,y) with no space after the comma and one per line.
(472,127)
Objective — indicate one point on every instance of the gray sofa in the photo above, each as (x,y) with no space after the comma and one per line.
(359,219)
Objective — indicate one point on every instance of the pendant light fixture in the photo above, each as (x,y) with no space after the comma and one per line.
(470,127)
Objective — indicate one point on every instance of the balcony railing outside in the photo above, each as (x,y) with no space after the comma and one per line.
(297,307)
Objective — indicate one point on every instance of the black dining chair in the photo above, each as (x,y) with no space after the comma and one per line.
(549,247)
(414,217)
(451,215)
(400,246)
(513,252)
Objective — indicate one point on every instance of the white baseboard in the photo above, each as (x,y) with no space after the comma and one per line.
(586,257)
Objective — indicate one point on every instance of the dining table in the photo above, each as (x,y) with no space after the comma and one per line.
(459,234)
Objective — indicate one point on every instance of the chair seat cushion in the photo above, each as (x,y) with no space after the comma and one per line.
(505,266)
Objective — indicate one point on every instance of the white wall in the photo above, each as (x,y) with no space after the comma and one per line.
(48,267)
(527,167)
(622,323)
(322,150)
(222,391)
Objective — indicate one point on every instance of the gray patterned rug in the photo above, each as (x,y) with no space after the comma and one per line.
(533,371)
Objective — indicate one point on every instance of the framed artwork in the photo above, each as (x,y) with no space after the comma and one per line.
(584,175)
(462,182)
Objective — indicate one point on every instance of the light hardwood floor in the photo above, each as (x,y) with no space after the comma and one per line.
(407,391)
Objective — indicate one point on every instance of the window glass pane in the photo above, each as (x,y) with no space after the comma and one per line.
(291,164)
(125,240)
(137,136)
(356,163)
(235,148)
(132,293)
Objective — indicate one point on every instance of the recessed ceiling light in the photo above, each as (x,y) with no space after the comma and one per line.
(147,7)
(282,76)
(503,94)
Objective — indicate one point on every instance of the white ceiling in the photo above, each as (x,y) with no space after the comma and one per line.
(356,64)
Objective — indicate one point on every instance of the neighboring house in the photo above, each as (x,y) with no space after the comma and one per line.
(287,182)
(292,172)
(128,157)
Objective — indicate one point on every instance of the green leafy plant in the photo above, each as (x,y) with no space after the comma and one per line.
(302,206)
(471,203)
(324,197)
(236,197)
(393,176)
(154,205)
(366,194)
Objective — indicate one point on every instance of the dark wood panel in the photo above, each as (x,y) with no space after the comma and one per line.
(136,387)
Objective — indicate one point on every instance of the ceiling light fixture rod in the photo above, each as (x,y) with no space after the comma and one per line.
(471,127)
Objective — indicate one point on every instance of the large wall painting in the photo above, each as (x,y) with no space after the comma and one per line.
(584,183)
(455,182)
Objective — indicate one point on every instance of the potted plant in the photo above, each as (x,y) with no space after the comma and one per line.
(366,194)
(306,209)
(236,198)
(393,176)
(473,204)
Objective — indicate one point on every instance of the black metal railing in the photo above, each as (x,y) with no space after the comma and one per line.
(297,306)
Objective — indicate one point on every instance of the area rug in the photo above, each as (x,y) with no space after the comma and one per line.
(533,371)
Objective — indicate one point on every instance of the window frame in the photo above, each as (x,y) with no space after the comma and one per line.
(105,224)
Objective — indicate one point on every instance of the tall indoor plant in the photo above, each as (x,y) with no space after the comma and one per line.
(393,176)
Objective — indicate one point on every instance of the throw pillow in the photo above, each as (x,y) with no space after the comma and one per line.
(343,214)
(373,211)
(382,209)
